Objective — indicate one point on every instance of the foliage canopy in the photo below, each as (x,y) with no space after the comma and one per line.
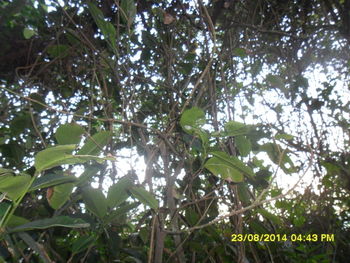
(158,131)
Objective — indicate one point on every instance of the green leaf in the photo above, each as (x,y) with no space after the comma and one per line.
(117,193)
(284,136)
(191,216)
(234,128)
(58,50)
(243,144)
(33,245)
(278,156)
(258,227)
(60,194)
(6,172)
(58,155)
(20,123)
(243,193)
(235,162)
(95,144)
(13,185)
(144,197)
(224,170)
(240,52)
(49,180)
(28,33)
(63,221)
(52,157)
(273,218)
(192,119)
(69,133)
(204,138)
(95,201)
(14,220)
(107,29)
(39,98)
(118,214)
(82,243)
(89,172)
(128,11)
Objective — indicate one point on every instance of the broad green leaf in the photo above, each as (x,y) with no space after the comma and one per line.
(107,29)
(128,11)
(63,221)
(243,194)
(20,123)
(117,193)
(204,138)
(234,128)
(243,144)
(52,157)
(278,156)
(95,201)
(59,195)
(58,155)
(13,185)
(28,33)
(223,169)
(14,220)
(274,219)
(235,163)
(69,133)
(49,180)
(82,243)
(58,50)
(192,119)
(144,197)
(95,144)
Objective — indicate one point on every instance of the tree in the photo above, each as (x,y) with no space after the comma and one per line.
(219,100)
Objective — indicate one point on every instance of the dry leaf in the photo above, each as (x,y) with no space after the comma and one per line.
(49,193)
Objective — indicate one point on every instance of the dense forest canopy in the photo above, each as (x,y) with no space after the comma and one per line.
(169,131)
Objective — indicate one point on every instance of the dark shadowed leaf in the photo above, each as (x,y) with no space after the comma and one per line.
(49,180)
(14,220)
(58,50)
(82,243)
(63,221)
